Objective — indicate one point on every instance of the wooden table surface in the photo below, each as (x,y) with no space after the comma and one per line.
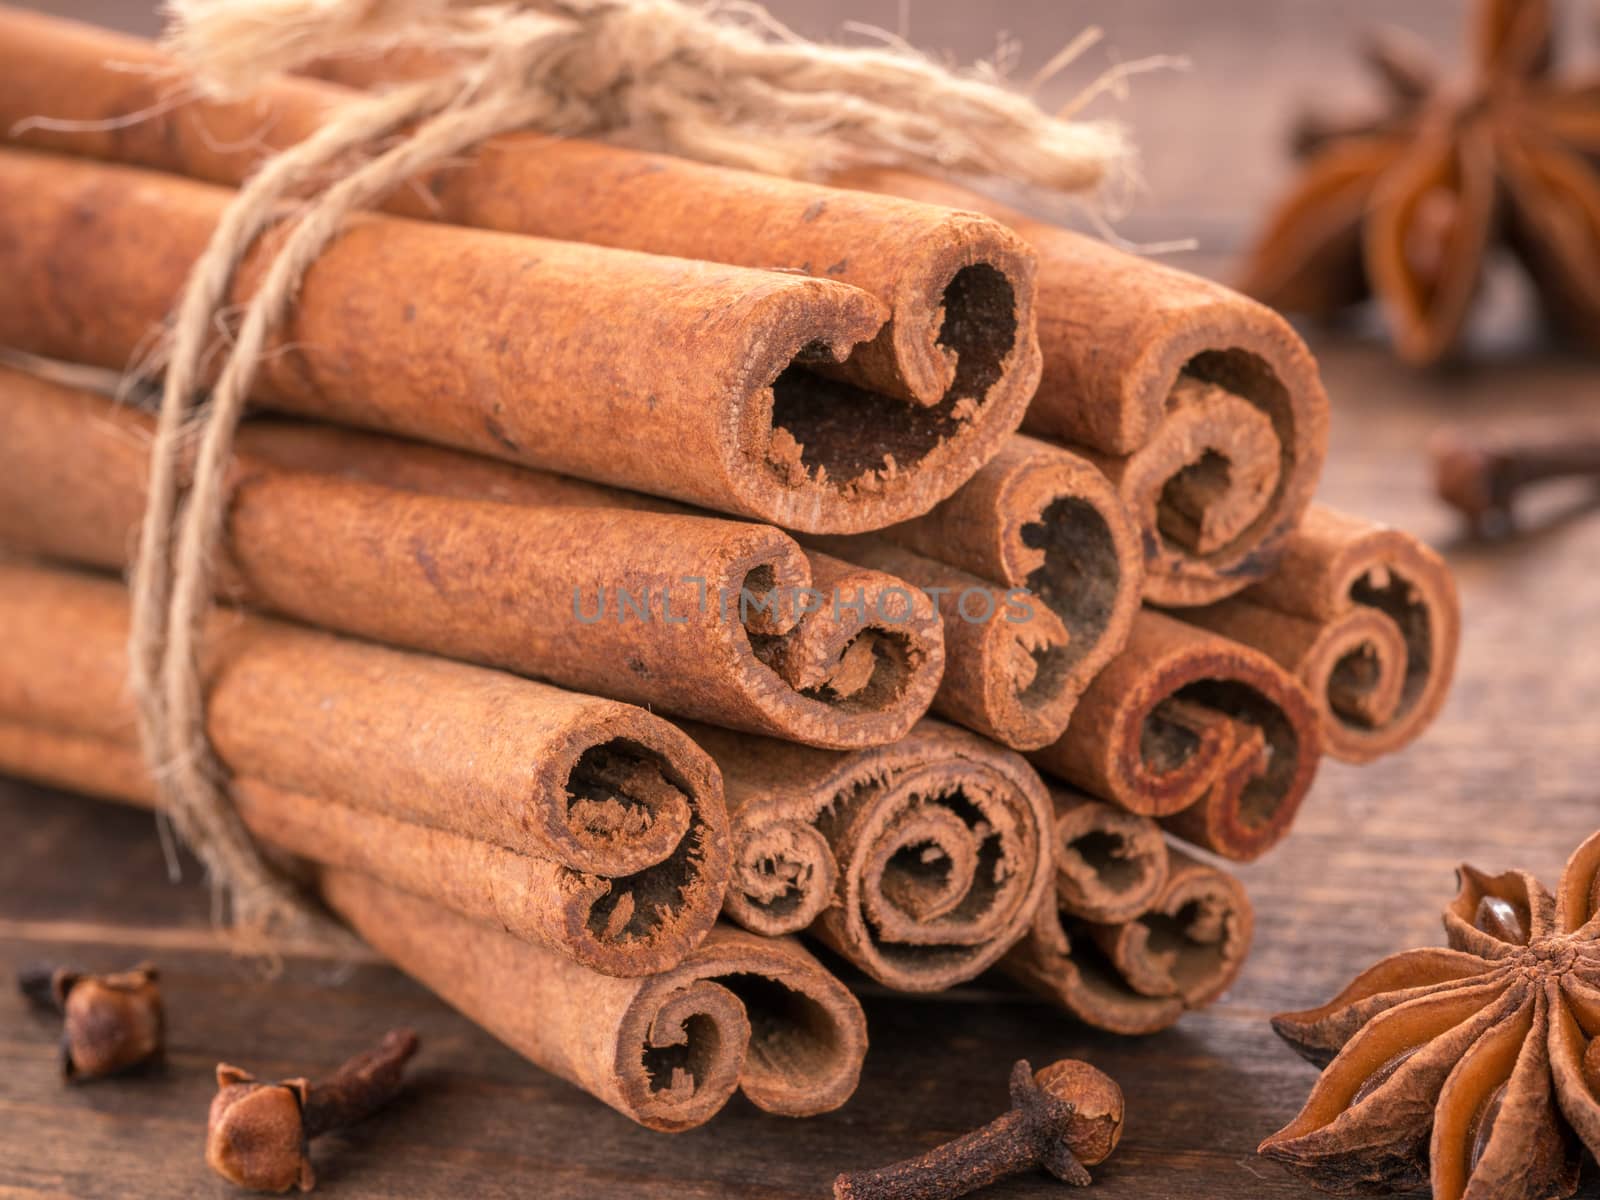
(1509,776)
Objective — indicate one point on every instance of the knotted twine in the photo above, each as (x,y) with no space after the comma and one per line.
(721,82)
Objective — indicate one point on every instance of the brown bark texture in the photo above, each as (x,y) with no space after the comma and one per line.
(755,1014)
(1366,617)
(958,285)
(547,577)
(583,824)
(1035,519)
(1111,864)
(920,862)
(1204,407)
(1012,666)
(667,1050)
(1004,649)
(665,375)
(1209,736)
(922,316)
(1136,975)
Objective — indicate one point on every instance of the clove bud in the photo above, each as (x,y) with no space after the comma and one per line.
(258,1134)
(111,1023)
(1481,477)
(1063,1119)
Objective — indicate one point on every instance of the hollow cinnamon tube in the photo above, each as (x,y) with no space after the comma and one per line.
(1208,735)
(668,376)
(1141,975)
(1204,406)
(695,1029)
(1036,568)
(920,862)
(998,653)
(666,1050)
(1366,617)
(588,825)
(755,1014)
(477,879)
(1192,940)
(1006,652)
(958,286)
(564,587)
(1111,864)
(861,653)
(1038,517)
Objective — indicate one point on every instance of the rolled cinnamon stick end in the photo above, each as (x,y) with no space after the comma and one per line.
(759,1015)
(1006,671)
(920,862)
(770,640)
(1111,864)
(1155,367)
(1368,619)
(719,620)
(589,361)
(1036,567)
(1208,735)
(1191,942)
(1041,518)
(1141,975)
(1201,488)
(474,878)
(598,829)
(1070,972)
(668,1050)
(958,286)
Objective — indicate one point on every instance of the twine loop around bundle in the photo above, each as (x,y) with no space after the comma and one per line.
(720,82)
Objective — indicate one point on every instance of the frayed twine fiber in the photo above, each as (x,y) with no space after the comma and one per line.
(721,82)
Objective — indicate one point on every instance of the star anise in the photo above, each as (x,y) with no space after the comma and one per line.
(1408,204)
(1474,1068)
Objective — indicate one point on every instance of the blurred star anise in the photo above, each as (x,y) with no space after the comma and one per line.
(1407,204)
(1475,1068)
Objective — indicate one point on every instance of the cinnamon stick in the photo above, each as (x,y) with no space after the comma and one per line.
(1366,617)
(1009,663)
(1111,864)
(920,862)
(586,825)
(755,1014)
(1208,735)
(595,362)
(1038,519)
(705,613)
(1139,976)
(954,331)
(1191,942)
(1203,406)
(478,879)
(666,1050)
(1007,654)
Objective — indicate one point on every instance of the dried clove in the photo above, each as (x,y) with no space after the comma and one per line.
(111,1023)
(258,1134)
(1066,1117)
(1481,478)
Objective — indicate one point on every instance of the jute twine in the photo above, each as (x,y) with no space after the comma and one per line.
(721,82)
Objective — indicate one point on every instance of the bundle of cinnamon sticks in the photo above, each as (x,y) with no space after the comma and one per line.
(641,568)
